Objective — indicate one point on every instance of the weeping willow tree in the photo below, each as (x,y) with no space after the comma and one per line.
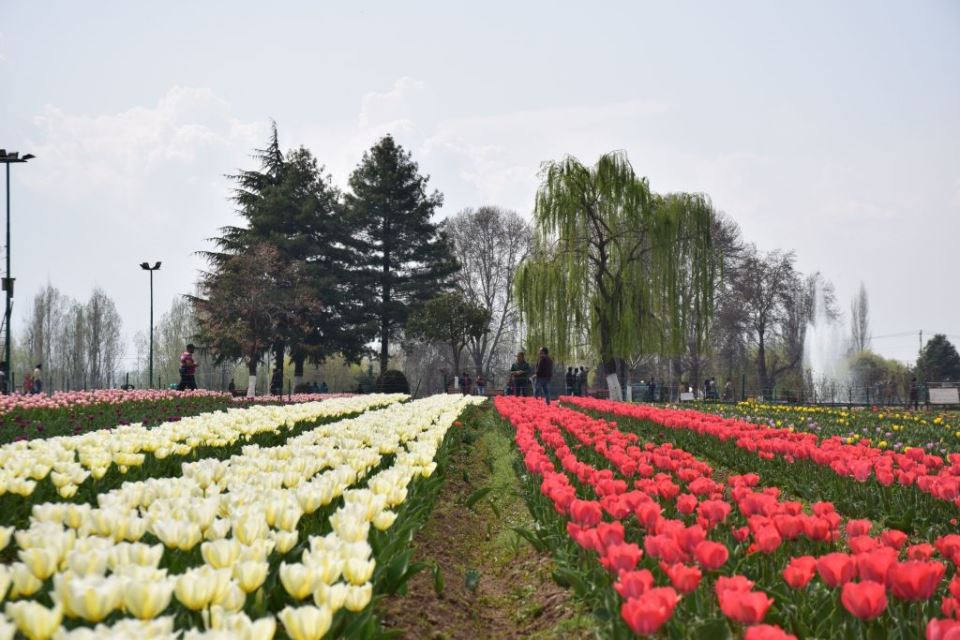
(616,269)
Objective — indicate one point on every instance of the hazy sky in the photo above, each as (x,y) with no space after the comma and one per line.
(829,128)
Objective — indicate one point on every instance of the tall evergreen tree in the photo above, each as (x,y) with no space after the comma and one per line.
(405,257)
(291,205)
(939,360)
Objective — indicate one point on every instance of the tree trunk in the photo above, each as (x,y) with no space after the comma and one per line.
(278,351)
(298,362)
(252,383)
(762,366)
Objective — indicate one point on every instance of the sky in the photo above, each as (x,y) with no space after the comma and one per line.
(830,129)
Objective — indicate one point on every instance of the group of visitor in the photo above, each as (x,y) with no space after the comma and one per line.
(469,386)
(32,382)
(525,378)
(576,380)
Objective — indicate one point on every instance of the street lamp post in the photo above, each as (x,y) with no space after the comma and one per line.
(9,158)
(146,267)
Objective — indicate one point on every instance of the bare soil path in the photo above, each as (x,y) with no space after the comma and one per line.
(488,582)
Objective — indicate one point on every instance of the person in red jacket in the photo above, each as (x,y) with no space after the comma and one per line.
(543,374)
(188,370)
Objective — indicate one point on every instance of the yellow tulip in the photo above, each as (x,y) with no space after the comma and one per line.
(358,597)
(221,554)
(196,588)
(250,528)
(250,574)
(146,599)
(41,562)
(298,579)
(5,580)
(7,629)
(232,599)
(285,540)
(358,571)
(5,533)
(384,520)
(85,563)
(34,620)
(331,595)
(93,598)
(306,623)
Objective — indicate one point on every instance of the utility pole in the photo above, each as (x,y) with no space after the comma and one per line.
(8,159)
(146,267)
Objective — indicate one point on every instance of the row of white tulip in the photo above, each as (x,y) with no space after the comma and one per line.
(70,460)
(239,511)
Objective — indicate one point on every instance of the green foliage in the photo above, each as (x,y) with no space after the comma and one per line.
(452,319)
(403,258)
(869,369)
(611,261)
(939,360)
(393,381)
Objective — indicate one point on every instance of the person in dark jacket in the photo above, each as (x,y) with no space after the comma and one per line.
(543,373)
(571,381)
(520,375)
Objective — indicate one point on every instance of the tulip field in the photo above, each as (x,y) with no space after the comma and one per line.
(298,519)
(682,524)
(259,521)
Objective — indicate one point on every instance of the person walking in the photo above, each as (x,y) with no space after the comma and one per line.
(520,375)
(188,370)
(583,385)
(571,381)
(38,379)
(543,374)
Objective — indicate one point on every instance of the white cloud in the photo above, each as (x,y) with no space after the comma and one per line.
(118,153)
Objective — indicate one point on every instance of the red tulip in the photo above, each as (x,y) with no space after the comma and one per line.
(683,578)
(768,539)
(836,569)
(711,555)
(610,533)
(920,551)
(858,528)
(862,544)
(621,557)
(732,583)
(915,580)
(876,564)
(800,571)
(866,600)
(950,607)
(955,586)
(893,538)
(646,614)
(949,546)
(586,512)
(745,607)
(767,632)
(686,503)
(943,630)
(633,584)
(714,511)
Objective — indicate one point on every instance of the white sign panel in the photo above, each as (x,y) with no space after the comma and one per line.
(945,396)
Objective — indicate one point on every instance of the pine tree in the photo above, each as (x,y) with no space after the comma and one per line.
(405,258)
(289,204)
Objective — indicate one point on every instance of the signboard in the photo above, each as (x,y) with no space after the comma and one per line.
(945,396)
(686,396)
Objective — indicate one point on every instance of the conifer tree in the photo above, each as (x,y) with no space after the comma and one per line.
(404,257)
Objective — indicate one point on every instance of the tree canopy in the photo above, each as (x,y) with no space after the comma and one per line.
(610,262)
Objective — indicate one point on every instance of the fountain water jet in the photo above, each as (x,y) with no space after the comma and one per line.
(825,348)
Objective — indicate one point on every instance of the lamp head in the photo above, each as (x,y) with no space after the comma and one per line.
(145,266)
(156,266)
(29,156)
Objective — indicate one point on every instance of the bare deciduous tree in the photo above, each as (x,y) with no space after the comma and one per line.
(860,320)
(490,243)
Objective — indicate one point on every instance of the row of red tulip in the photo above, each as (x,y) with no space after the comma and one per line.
(929,473)
(639,485)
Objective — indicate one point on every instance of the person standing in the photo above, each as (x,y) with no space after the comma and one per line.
(582,384)
(27,384)
(188,370)
(466,382)
(38,379)
(914,394)
(520,375)
(543,374)
(481,384)
(571,381)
